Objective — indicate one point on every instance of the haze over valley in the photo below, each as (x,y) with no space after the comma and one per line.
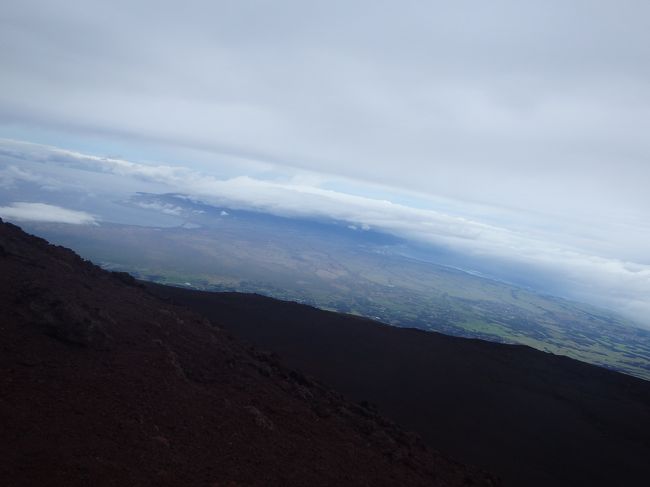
(333,266)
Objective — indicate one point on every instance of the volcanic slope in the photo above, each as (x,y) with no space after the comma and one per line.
(103,384)
(533,418)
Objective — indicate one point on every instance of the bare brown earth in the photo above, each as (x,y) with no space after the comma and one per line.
(104,384)
(533,418)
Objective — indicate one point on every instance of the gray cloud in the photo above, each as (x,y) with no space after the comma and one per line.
(539,105)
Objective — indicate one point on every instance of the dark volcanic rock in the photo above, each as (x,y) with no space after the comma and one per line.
(533,418)
(103,384)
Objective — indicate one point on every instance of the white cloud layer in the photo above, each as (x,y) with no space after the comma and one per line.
(580,271)
(41,212)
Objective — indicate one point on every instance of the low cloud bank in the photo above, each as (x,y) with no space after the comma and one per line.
(42,212)
(577,271)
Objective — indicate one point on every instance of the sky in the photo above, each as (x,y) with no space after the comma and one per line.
(514,130)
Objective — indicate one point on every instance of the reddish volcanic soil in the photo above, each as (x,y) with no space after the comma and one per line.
(532,418)
(103,384)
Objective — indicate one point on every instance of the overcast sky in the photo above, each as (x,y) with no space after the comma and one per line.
(529,116)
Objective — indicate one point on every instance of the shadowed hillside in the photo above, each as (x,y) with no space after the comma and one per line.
(531,417)
(103,384)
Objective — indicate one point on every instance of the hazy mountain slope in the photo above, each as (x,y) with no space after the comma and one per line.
(331,266)
(104,384)
(536,419)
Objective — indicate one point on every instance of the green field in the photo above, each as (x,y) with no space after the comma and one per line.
(351,276)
